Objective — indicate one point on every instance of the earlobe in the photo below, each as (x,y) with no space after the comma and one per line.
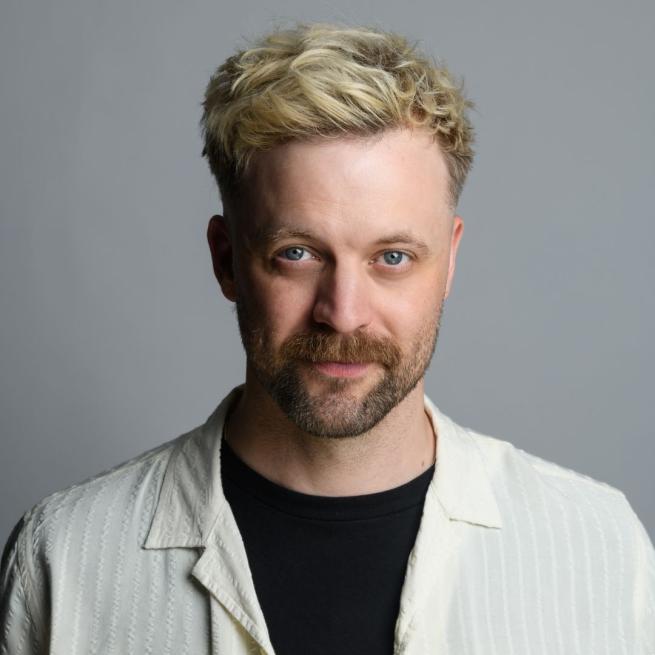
(220,246)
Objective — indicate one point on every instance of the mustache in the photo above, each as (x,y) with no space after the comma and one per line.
(348,349)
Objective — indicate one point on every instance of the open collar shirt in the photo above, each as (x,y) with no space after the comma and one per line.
(514,555)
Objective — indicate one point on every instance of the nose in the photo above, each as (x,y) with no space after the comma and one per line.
(343,299)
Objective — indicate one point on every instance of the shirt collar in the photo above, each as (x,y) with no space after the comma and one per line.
(191,501)
(461,481)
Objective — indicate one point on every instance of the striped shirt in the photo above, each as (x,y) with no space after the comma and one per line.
(514,555)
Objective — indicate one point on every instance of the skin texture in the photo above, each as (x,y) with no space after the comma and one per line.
(338,254)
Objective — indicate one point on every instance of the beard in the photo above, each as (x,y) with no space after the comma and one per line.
(337,411)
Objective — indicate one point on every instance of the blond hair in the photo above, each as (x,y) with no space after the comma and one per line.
(324,80)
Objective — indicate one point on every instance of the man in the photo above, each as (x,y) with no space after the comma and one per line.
(308,515)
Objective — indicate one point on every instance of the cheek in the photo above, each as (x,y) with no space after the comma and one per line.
(282,307)
(414,310)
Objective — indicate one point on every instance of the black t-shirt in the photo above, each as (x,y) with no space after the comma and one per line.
(328,571)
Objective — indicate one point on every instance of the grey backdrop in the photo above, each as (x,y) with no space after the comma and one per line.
(113,335)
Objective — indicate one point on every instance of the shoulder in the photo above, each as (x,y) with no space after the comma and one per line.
(576,519)
(545,493)
(126,487)
(514,463)
(118,501)
(110,514)
(89,523)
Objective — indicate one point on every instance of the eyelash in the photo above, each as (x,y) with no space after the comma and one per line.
(306,250)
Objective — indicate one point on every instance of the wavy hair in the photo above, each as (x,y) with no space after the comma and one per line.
(319,80)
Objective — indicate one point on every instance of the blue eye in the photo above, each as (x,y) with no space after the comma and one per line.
(393,257)
(294,253)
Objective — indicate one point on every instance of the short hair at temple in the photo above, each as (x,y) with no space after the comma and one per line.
(318,80)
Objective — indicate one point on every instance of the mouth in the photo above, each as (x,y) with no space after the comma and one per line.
(341,369)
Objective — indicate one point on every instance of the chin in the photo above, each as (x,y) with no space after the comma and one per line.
(339,410)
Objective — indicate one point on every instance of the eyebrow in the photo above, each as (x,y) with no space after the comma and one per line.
(265,236)
(406,238)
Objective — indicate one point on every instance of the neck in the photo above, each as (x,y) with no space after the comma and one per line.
(398,449)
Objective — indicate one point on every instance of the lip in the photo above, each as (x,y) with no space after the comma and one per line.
(341,369)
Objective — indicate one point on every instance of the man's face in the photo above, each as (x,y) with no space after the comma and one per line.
(343,252)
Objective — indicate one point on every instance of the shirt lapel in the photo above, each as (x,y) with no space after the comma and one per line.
(192,512)
(459,494)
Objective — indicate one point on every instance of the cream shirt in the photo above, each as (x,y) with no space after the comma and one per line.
(514,555)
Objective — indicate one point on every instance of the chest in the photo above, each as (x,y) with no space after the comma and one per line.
(485,597)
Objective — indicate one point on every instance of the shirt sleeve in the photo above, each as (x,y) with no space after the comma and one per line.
(22,629)
(645,592)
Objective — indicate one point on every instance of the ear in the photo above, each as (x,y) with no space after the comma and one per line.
(456,235)
(220,246)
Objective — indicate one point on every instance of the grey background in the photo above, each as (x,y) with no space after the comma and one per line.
(113,335)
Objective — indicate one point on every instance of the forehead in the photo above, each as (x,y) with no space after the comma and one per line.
(396,180)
